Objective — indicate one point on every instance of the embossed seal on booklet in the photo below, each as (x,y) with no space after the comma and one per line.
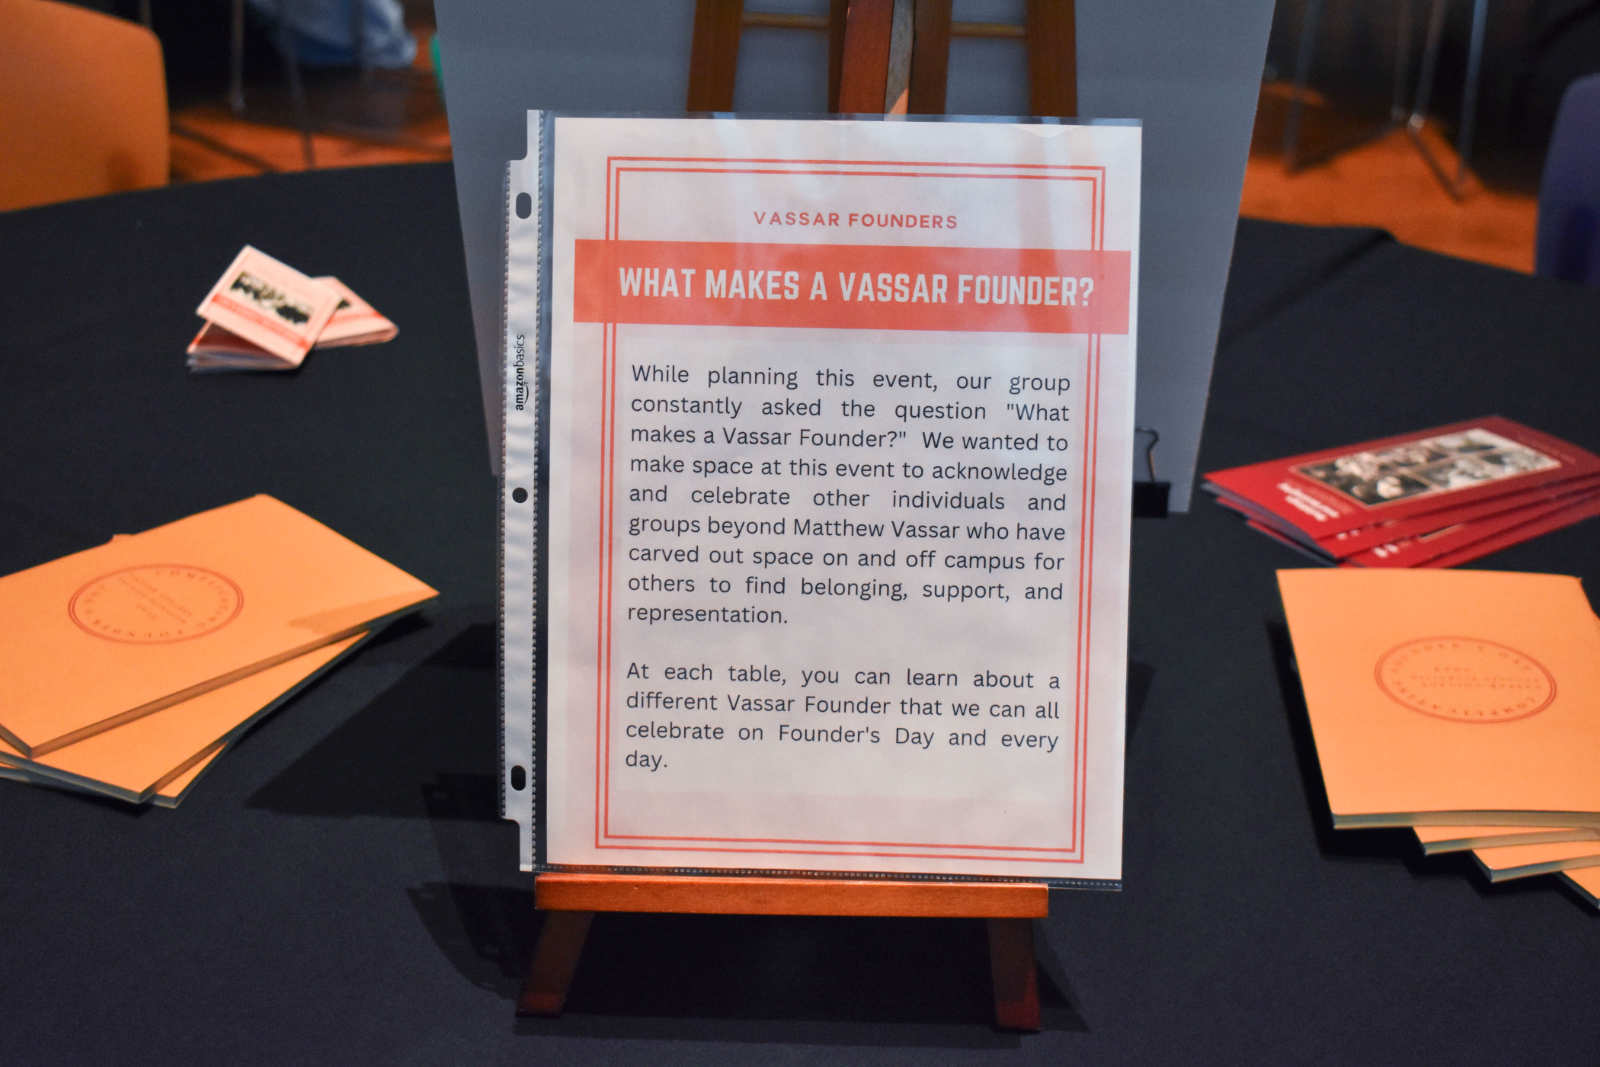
(1468,698)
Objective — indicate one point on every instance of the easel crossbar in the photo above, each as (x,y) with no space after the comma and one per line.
(791,896)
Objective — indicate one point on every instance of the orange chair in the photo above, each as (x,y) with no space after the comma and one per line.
(83,104)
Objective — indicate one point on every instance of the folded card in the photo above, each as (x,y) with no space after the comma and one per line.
(270,304)
(353,322)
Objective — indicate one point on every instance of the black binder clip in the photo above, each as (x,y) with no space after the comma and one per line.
(1149,495)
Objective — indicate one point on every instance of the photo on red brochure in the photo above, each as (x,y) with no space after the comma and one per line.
(1431,466)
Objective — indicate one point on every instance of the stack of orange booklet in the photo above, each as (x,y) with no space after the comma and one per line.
(1464,705)
(132,666)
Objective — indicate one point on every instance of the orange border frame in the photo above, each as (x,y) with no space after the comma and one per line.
(603,837)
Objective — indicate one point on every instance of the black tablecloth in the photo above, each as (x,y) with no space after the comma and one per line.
(338,888)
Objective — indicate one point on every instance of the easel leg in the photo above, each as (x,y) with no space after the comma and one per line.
(555,960)
(1016,979)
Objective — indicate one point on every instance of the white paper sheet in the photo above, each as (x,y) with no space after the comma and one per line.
(840,429)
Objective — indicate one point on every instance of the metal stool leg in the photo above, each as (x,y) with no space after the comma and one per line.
(297,91)
(1294,157)
(1455,184)
(1302,74)
(1469,92)
(236,58)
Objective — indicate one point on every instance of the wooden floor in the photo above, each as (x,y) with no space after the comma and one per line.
(1385,181)
(386,117)
(396,116)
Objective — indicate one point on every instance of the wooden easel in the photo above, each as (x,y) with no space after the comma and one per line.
(872,68)
(868,63)
(570,901)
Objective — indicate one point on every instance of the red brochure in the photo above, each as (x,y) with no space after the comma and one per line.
(1393,479)
(1352,542)
(1288,542)
(1554,521)
(1489,533)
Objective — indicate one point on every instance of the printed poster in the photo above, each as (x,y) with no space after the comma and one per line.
(840,419)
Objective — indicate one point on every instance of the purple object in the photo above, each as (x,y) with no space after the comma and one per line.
(1568,243)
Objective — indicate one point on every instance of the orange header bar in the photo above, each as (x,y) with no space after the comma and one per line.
(861,287)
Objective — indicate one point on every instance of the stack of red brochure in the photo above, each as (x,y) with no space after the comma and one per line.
(1431,498)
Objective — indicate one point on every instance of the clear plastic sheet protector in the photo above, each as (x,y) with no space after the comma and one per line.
(815,498)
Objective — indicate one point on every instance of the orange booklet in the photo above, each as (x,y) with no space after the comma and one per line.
(140,759)
(169,794)
(1525,861)
(1449,697)
(104,636)
(1440,839)
(1586,882)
